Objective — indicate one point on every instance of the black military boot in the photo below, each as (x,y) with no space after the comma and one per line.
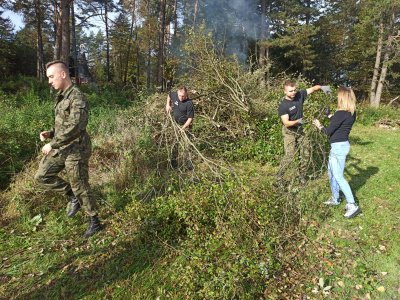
(94,226)
(75,205)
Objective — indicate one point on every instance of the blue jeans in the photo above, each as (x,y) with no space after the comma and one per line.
(337,160)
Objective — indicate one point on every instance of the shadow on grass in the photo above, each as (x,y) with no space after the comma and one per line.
(358,141)
(95,271)
(361,176)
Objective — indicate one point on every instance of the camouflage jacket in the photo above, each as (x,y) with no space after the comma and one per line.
(71,119)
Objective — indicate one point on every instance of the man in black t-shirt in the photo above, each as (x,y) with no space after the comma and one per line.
(182,107)
(291,113)
(183,111)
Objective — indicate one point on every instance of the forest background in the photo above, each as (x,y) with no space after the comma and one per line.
(335,42)
(225,228)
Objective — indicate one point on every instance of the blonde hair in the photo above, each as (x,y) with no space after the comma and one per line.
(346,99)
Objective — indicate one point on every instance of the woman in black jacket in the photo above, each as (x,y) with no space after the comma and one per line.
(338,131)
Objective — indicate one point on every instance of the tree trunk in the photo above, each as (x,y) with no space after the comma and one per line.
(149,48)
(58,32)
(149,69)
(308,15)
(161,44)
(74,46)
(107,41)
(175,16)
(374,81)
(137,61)
(65,31)
(382,77)
(130,39)
(385,64)
(196,10)
(263,35)
(40,69)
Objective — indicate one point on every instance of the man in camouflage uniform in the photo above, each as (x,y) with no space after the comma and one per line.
(69,148)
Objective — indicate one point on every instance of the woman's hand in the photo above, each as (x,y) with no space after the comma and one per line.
(317,124)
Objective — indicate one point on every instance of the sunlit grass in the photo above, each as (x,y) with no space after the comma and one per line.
(369,244)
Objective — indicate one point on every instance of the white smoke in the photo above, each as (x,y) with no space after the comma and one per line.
(235,22)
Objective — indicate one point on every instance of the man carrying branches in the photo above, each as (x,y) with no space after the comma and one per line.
(182,107)
(183,111)
(291,113)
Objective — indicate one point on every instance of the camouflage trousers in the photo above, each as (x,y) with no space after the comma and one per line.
(295,141)
(77,168)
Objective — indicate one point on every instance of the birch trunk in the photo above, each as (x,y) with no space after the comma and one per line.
(375,76)
(381,81)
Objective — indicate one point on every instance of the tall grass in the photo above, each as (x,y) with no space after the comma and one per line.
(24,115)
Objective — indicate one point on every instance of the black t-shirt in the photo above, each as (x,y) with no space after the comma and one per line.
(183,110)
(340,125)
(293,108)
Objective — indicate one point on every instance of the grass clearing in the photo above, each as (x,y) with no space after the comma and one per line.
(143,245)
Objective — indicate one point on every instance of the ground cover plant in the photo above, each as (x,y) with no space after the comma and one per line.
(190,244)
(221,229)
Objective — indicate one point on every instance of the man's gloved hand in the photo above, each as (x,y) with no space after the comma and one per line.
(300,121)
(326,89)
(327,111)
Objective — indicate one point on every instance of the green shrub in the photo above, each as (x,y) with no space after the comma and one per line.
(367,115)
(24,115)
(225,232)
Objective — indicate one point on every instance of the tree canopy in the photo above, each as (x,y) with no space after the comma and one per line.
(139,42)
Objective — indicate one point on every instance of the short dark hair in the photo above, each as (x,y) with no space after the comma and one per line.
(54,62)
(182,88)
(289,83)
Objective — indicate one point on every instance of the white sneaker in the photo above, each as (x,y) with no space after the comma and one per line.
(352,210)
(332,201)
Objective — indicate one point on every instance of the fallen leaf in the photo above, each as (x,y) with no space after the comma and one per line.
(321,282)
(381,289)
(340,283)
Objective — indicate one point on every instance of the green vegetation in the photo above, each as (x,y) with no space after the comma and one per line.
(219,225)
(24,115)
(201,235)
